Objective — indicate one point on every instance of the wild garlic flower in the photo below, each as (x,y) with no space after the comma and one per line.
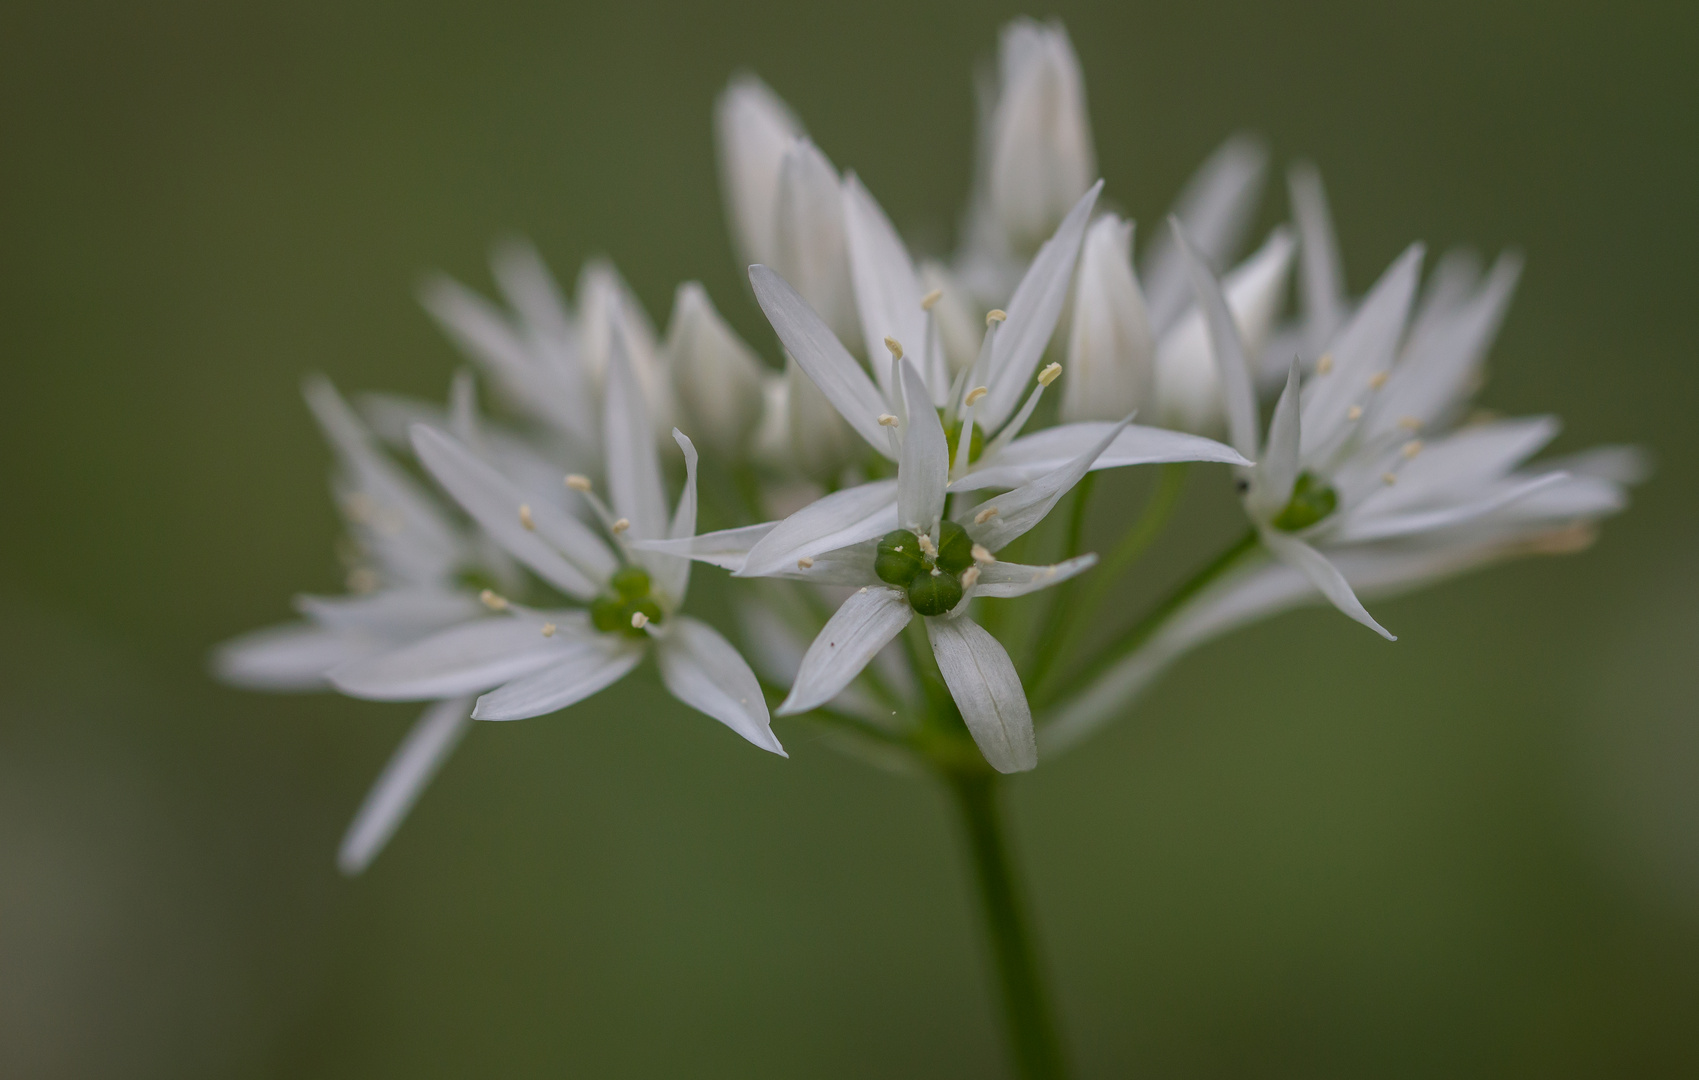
(527,662)
(717,379)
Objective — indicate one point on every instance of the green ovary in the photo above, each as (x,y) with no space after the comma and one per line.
(1312,500)
(613,612)
(933,585)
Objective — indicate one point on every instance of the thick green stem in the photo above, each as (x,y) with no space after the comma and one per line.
(1031,1028)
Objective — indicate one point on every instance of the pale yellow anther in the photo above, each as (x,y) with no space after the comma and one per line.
(1325,364)
(982,555)
(887,420)
(362,579)
(578,482)
(862,589)
(985,515)
(1412,448)
(804,563)
(1355,412)
(639,620)
(493,600)
(525,518)
(970,577)
(1388,478)
(977,394)
(549,629)
(931,298)
(896,348)
(1409,423)
(1378,380)
(621,525)
(1049,375)
(995,315)
(927,547)
(937,572)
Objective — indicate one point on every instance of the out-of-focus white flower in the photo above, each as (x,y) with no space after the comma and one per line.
(753,130)
(1111,351)
(716,377)
(1188,387)
(534,662)
(1215,208)
(609,311)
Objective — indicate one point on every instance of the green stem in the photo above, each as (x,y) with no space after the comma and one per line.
(1031,1027)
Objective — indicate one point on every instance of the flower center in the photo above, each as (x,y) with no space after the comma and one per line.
(618,611)
(953,437)
(932,576)
(1311,501)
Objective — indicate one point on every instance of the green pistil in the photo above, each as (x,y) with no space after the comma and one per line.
(933,585)
(1311,501)
(628,596)
(953,437)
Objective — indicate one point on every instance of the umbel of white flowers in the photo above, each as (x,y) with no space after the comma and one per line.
(545,565)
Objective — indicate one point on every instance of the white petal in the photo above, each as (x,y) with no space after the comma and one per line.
(1019,510)
(294,656)
(1321,282)
(727,548)
(817,442)
(1111,368)
(560,549)
(887,289)
(1457,465)
(1006,579)
(1323,574)
(586,663)
(987,690)
(845,645)
(1238,394)
(716,377)
(851,565)
(1031,456)
(462,660)
(433,737)
(392,612)
(1362,350)
(753,127)
(609,316)
(1040,156)
(1032,314)
(531,290)
(810,250)
(822,357)
(701,669)
(837,520)
(1364,527)
(634,472)
(1276,472)
(925,467)
(672,571)
(1215,208)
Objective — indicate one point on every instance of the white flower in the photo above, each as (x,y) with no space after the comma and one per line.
(924,564)
(716,377)
(1111,351)
(536,662)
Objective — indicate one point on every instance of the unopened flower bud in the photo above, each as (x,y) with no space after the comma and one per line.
(1041,158)
(821,442)
(1111,351)
(753,128)
(716,377)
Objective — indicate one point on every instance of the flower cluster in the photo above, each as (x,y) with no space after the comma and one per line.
(867,484)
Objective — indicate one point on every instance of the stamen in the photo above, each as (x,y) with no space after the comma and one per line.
(995,315)
(549,629)
(970,577)
(1409,423)
(1049,374)
(1389,478)
(896,348)
(985,515)
(927,547)
(525,518)
(937,572)
(887,420)
(493,600)
(1355,412)
(804,563)
(982,555)
(977,394)
(639,620)
(1325,364)
(930,299)
(1378,379)
(362,579)
(578,482)
(620,526)
(1412,448)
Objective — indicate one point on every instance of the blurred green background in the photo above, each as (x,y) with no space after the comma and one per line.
(1475,852)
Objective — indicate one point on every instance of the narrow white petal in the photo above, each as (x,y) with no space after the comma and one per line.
(634,472)
(462,660)
(1031,456)
(822,357)
(925,467)
(1363,527)
(1033,311)
(1458,465)
(1238,394)
(810,249)
(982,679)
(887,288)
(1275,473)
(703,670)
(560,549)
(294,656)
(716,378)
(1215,208)
(837,520)
(845,645)
(584,665)
(1321,283)
(1111,365)
(727,548)
(394,613)
(1362,352)
(1323,574)
(672,571)
(1019,510)
(1039,156)
(415,762)
(752,127)
(1006,579)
